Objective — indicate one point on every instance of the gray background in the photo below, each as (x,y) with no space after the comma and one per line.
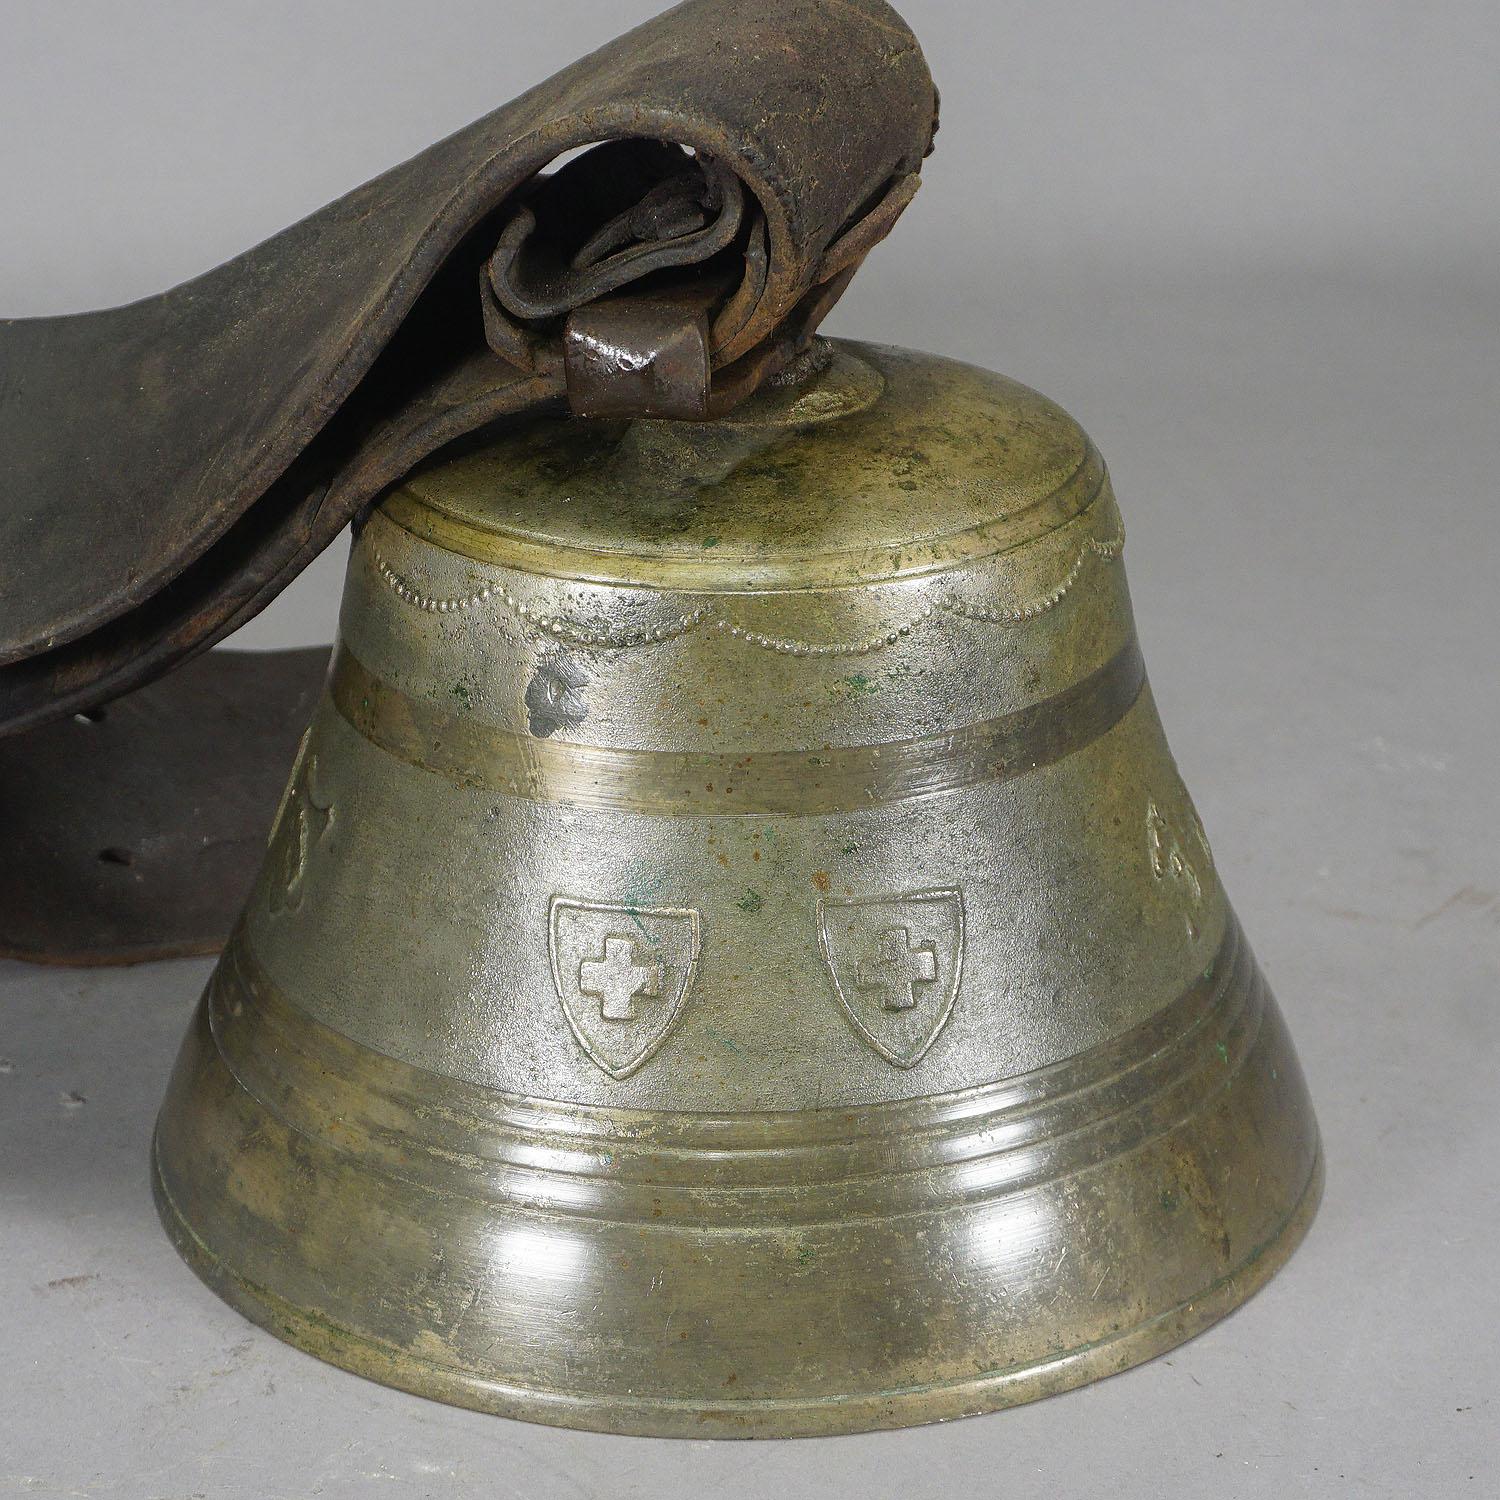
(1252,247)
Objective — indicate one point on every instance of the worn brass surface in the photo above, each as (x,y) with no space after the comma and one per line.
(736,956)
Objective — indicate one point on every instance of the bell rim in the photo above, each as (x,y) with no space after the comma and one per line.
(762,1417)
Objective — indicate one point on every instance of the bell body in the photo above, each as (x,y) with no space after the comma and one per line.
(736,956)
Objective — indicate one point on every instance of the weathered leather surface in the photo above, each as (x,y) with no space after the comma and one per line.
(133,832)
(171,465)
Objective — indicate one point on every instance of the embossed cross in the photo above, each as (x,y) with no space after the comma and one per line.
(897,967)
(617,978)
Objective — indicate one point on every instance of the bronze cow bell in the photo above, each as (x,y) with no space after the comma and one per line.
(736,956)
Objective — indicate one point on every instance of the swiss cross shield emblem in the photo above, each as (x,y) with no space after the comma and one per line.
(896,963)
(623,974)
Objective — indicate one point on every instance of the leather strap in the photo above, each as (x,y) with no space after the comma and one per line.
(172,465)
(133,832)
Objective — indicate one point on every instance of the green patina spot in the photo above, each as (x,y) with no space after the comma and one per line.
(460,690)
(751,902)
(1223,1052)
(710,541)
(859,683)
(643,887)
(850,848)
(1169,1200)
(722,1040)
(646,932)
(804,1255)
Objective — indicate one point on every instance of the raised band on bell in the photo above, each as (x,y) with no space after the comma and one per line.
(735,956)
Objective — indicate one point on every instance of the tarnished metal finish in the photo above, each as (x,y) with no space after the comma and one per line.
(736,957)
